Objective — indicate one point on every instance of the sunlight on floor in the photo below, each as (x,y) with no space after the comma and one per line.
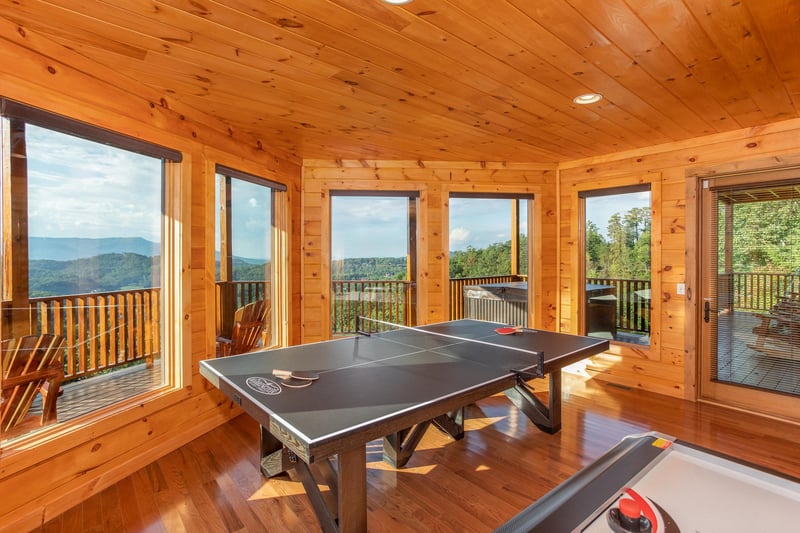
(380,465)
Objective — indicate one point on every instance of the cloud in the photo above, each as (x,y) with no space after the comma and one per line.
(369,226)
(79,188)
(458,236)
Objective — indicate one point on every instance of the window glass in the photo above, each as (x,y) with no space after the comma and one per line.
(617,294)
(82,222)
(372,259)
(244,251)
(489,259)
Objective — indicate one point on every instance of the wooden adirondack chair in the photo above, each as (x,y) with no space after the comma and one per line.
(778,334)
(30,365)
(249,322)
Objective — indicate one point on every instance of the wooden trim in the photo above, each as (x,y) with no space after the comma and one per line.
(691,329)
(281,233)
(372,192)
(247,176)
(175,279)
(763,165)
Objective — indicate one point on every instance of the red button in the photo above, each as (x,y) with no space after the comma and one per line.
(630,508)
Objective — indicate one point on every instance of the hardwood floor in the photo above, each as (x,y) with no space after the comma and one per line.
(475,484)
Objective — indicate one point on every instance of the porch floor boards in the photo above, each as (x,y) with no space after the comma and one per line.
(738,363)
(90,394)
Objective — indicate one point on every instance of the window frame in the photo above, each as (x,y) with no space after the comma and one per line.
(415,198)
(577,278)
(278,246)
(516,266)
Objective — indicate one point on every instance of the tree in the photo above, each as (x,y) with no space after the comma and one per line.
(626,253)
(596,251)
(766,236)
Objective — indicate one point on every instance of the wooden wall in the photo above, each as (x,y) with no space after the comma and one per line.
(434,181)
(669,365)
(42,476)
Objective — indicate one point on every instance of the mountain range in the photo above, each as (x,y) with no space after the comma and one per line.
(71,248)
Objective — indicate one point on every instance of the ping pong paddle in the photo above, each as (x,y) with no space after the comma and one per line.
(295,383)
(302,375)
(508,330)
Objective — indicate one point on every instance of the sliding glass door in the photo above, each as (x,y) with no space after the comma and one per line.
(750,306)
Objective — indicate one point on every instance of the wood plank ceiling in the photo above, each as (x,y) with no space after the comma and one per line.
(448,80)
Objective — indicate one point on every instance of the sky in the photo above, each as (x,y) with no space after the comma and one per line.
(251,208)
(80,188)
(600,208)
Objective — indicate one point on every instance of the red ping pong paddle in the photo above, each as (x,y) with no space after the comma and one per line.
(508,330)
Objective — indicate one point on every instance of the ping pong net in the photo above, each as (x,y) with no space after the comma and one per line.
(367,326)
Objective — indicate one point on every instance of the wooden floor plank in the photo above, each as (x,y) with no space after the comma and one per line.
(474,484)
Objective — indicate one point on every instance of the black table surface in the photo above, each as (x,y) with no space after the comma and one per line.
(369,380)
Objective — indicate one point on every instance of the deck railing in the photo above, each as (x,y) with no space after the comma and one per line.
(111,329)
(633,302)
(383,300)
(754,291)
(102,330)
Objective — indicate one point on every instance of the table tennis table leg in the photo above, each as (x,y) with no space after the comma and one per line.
(275,457)
(546,417)
(345,508)
(399,447)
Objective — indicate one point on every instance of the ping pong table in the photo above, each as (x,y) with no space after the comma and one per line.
(390,384)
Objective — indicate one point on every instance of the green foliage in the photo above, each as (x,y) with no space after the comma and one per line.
(626,252)
(766,236)
(494,260)
(244,271)
(369,268)
(101,273)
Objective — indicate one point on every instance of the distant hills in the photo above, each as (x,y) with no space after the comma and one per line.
(71,248)
(64,266)
(102,273)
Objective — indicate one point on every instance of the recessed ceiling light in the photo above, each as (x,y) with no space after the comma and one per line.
(588,98)
(397,2)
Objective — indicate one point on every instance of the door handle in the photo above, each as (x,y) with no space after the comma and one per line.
(707,311)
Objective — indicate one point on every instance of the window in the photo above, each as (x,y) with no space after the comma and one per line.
(83,261)
(489,257)
(617,259)
(373,258)
(245,248)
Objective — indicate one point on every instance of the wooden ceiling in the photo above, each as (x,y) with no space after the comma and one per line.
(449,80)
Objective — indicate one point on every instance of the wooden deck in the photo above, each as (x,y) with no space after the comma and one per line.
(475,484)
(87,395)
(739,364)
